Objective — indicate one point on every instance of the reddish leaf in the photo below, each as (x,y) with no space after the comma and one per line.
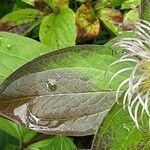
(87,24)
(21,21)
(111,18)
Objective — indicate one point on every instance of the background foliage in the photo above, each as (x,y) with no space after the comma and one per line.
(50,25)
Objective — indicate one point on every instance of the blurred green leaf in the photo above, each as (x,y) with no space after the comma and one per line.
(118,132)
(82,1)
(56,143)
(59,30)
(31,2)
(11,147)
(57,4)
(6,140)
(126,34)
(108,3)
(21,21)
(17,131)
(112,19)
(130,4)
(145,10)
(6,7)
(131,16)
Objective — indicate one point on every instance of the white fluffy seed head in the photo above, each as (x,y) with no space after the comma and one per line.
(137,96)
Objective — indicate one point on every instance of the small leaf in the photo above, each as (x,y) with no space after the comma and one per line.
(128,4)
(21,21)
(56,143)
(118,132)
(17,131)
(111,18)
(115,2)
(14,52)
(30,2)
(130,18)
(33,2)
(87,24)
(59,30)
(108,3)
(57,4)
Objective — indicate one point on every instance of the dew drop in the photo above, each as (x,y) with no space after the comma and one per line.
(51,85)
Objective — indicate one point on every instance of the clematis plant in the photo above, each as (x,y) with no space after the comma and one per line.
(137,96)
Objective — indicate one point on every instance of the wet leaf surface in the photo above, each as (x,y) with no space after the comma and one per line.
(47,108)
(21,21)
(64,92)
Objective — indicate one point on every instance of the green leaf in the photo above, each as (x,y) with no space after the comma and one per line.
(111,42)
(118,132)
(56,143)
(12,147)
(57,4)
(128,4)
(131,16)
(7,139)
(21,21)
(5,7)
(108,3)
(145,10)
(129,20)
(59,30)
(15,51)
(111,18)
(31,2)
(16,131)
(71,81)
(115,2)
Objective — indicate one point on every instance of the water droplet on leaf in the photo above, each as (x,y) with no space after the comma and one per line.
(51,85)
